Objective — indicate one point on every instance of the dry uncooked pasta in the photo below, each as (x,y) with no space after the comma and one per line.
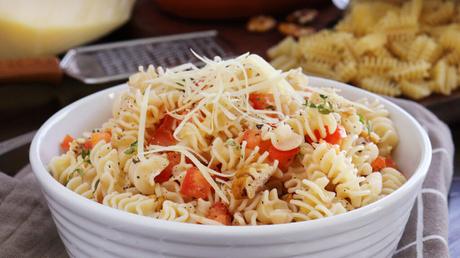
(393,48)
(235,142)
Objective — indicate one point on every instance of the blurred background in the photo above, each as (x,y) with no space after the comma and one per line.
(35,36)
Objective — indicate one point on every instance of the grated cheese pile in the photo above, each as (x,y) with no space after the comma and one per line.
(227,84)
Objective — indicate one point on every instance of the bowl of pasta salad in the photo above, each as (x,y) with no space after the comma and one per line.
(231,159)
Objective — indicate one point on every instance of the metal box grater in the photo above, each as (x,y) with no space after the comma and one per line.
(117,61)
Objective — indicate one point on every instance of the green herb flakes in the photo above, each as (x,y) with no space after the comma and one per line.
(96,185)
(361,119)
(324,108)
(132,148)
(85,154)
(79,171)
(366,123)
(232,143)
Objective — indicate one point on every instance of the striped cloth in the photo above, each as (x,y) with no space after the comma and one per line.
(28,231)
(426,233)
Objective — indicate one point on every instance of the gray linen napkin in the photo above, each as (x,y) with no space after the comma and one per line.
(427,229)
(28,231)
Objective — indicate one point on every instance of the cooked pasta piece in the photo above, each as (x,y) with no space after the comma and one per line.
(142,173)
(445,78)
(373,183)
(314,201)
(411,71)
(370,43)
(346,71)
(176,212)
(415,90)
(105,160)
(392,179)
(380,123)
(442,14)
(376,66)
(381,85)
(133,203)
(272,210)
(422,48)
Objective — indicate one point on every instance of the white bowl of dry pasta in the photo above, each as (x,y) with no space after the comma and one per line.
(233,159)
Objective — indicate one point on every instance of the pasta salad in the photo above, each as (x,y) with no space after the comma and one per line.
(234,142)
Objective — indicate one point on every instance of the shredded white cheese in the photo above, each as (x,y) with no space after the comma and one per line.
(223,87)
(141,130)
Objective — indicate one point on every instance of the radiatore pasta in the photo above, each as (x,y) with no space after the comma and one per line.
(393,48)
(234,142)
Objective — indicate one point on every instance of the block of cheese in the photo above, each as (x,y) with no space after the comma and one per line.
(31,28)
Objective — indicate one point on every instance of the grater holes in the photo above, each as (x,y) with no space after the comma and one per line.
(123,60)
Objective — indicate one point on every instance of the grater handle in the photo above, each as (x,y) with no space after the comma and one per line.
(41,69)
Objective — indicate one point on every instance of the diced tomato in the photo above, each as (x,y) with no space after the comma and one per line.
(383,162)
(163,135)
(284,157)
(317,135)
(65,144)
(333,138)
(389,162)
(264,146)
(379,163)
(253,138)
(174,159)
(261,100)
(336,136)
(220,213)
(95,138)
(195,185)
(87,145)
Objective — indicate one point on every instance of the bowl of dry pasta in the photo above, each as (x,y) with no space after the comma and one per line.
(230,159)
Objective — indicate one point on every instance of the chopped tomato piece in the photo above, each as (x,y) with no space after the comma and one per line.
(317,135)
(174,159)
(333,138)
(163,135)
(253,138)
(383,162)
(87,145)
(264,146)
(95,138)
(261,100)
(389,162)
(284,157)
(336,136)
(379,163)
(65,144)
(195,185)
(220,213)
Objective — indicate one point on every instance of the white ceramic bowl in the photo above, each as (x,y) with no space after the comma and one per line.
(89,229)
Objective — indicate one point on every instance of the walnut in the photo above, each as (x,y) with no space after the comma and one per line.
(291,29)
(261,23)
(302,16)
